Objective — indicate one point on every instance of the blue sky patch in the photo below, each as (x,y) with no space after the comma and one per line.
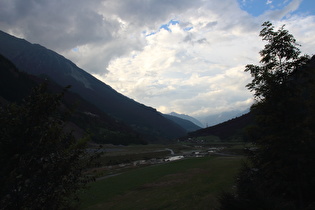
(259,7)
(76,49)
(188,28)
(166,26)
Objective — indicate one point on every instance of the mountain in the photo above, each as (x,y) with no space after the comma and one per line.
(215,119)
(187,117)
(186,124)
(37,60)
(232,129)
(16,86)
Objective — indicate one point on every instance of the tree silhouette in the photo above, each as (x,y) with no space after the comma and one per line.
(279,173)
(279,58)
(41,164)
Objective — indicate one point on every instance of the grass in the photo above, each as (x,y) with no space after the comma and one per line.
(185,184)
(237,149)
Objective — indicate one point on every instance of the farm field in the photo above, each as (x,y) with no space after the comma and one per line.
(192,183)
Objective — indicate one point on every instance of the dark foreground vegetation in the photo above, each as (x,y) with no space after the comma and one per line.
(280,171)
(41,163)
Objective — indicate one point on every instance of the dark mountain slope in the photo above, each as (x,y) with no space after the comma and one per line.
(37,60)
(16,85)
(215,119)
(228,130)
(186,124)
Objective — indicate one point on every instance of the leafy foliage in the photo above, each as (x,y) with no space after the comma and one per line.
(279,58)
(41,164)
(280,173)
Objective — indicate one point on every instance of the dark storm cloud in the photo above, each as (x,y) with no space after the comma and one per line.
(58,25)
(150,12)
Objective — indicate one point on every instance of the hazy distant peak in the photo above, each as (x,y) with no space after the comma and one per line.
(187,117)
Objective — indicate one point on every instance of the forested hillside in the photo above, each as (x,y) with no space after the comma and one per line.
(234,129)
(86,119)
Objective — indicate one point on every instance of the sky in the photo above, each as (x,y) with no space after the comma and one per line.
(179,56)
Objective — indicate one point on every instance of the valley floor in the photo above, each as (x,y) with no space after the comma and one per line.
(190,183)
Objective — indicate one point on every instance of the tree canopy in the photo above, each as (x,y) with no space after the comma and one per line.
(41,164)
(279,173)
(279,58)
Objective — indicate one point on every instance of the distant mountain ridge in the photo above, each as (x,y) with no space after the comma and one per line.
(38,60)
(186,124)
(187,117)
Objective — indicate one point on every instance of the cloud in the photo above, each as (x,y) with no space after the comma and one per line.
(181,55)
(173,66)
(59,25)
(285,11)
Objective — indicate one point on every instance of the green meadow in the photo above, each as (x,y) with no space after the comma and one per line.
(193,183)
